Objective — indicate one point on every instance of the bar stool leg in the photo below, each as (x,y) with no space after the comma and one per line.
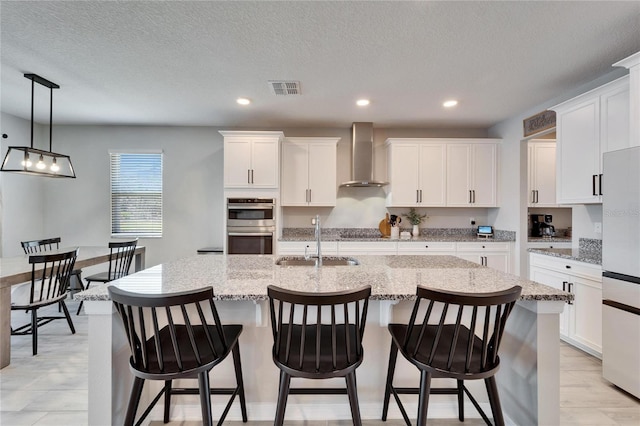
(205,398)
(283,393)
(423,401)
(352,391)
(239,381)
(494,400)
(393,355)
(167,400)
(134,400)
(460,400)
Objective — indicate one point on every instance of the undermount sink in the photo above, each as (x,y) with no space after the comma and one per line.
(326,261)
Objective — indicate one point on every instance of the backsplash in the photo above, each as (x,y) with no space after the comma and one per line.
(375,233)
(590,244)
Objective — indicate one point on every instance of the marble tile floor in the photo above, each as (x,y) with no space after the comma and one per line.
(51,388)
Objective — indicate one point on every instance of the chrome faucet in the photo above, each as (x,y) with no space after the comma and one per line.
(315,221)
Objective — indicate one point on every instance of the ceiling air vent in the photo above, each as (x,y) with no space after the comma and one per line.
(284,87)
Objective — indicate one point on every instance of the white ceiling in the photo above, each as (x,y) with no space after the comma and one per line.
(185,63)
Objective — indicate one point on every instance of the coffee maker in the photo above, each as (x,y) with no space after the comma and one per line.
(541,225)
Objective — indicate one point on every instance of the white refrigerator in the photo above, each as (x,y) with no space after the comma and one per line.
(621,269)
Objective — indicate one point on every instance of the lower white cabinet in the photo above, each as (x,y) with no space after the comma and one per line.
(581,320)
(297,248)
(493,255)
(348,248)
(426,247)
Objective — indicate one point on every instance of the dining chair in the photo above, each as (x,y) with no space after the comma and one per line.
(177,336)
(451,335)
(50,274)
(48,244)
(120,258)
(317,336)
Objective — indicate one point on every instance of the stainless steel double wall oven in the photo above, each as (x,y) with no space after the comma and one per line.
(251,225)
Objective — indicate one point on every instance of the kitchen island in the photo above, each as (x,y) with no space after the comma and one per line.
(528,379)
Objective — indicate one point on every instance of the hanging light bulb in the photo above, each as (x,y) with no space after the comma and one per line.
(40,164)
(54,166)
(27,161)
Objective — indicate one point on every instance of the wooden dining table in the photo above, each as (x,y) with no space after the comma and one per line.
(16,270)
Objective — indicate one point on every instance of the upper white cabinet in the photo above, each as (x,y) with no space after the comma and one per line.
(309,172)
(416,172)
(588,126)
(442,172)
(251,159)
(542,173)
(472,174)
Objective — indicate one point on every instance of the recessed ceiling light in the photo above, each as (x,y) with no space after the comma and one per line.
(363,102)
(450,103)
(243,101)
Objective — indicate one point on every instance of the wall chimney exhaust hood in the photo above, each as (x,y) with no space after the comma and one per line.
(362,157)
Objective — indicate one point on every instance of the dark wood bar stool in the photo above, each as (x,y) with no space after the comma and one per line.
(190,345)
(318,336)
(120,258)
(48,244)
(438,343)
(50,274)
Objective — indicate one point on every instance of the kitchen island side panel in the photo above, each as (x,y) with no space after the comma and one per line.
(520,380)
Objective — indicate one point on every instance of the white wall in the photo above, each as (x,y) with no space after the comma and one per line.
(79,210)
(21,196)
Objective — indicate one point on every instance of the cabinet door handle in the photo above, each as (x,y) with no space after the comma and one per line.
(248,175)
(533,196)
(421,195)
(600,183)
(537,200)
(469,196)
(564,286)
(570,286)
(417,196)
(593,185)
(474,195)
(309,195)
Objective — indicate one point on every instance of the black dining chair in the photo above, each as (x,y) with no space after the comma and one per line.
(177,336)
(48,244)
(456,336)
(120,258)
(317,336)
(50,275)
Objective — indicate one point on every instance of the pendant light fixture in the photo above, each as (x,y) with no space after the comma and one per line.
(33,161)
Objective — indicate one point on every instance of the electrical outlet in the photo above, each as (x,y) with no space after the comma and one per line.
(313,220)
(597,227)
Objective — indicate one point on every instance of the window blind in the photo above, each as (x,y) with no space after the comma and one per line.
(136,194)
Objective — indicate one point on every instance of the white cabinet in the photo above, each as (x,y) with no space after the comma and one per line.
(416,173)
(297,248)
(493,255)
(581,321)
(348,248)
(426,247)
(309,172)
(472,178)
(588,126)
(251,159)
(542,173)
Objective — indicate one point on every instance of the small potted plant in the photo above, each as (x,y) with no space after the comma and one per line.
(415,219)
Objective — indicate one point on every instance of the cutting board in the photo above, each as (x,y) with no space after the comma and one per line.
(385,227)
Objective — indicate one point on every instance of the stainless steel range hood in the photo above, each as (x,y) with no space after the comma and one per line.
(362,157)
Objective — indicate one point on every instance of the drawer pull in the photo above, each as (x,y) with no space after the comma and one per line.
(567,266)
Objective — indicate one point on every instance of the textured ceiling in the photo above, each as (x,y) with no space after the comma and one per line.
(185,63)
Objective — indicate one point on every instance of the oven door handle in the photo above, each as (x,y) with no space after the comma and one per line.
(250,234)
(250,207)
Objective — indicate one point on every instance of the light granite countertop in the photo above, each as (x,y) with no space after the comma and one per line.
(549,239)
(578,254)
(432,238)
(246,277)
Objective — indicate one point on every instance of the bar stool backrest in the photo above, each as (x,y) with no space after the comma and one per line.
(318,333)
(38,246)
(171,333)
(120,257)
(458,332)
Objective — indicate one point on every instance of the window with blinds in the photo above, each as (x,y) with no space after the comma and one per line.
(136,194)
